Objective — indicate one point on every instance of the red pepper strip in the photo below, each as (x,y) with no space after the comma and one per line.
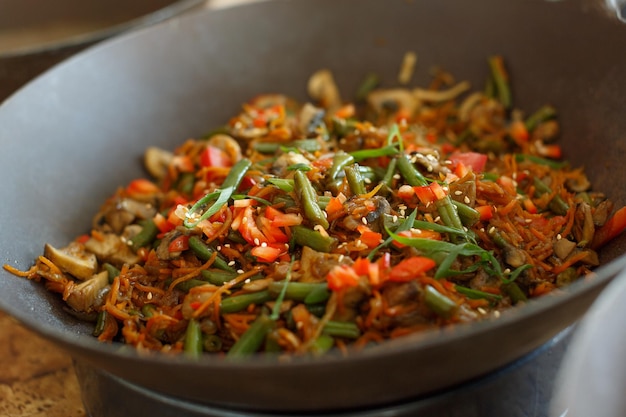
(268,253)
(430,193)
(179,244)
(142,187)
(342,276)
(474,160)
(280,219)
(611,229)
(369,237)
(249,229)
(411,268)
(518,131)
(486,212)
(215,157)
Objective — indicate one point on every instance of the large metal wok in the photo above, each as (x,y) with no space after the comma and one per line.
(69,138)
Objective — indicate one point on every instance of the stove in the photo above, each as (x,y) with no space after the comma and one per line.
(521,389)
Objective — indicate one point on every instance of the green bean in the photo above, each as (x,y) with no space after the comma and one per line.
(111,270)
(360,155)
(323,201)
(391,170)
(193,339)
(318,310)
(322,344)
(100,323)
(515,292)
(345,329)
(147,310)
(187,285)
(204,253)
(252,339)
(467,214)
(146,236)
(307,145)
(557,204)
(219,277)
(340,161)
(544,113)
(476,294)
(355,181)
(304,236)
(242,301)
(308,198)
(448,212)
(541,161)
(411,175)
(501,81)
(297,291)
(439,303)
(284,184)
(318,295)
(212,343)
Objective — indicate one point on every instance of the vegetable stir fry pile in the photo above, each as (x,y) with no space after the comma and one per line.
(297,228)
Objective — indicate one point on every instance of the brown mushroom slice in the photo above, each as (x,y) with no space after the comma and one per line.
(322,87)
(109,247)
(87,295)
(157,161)
(73,259)
(392,99)
(227,144)
(438,96)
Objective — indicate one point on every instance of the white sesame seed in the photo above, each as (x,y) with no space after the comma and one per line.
(496,314)
(363,220)
(507,271)
(467,200)
(240,271)
(559,237)
(219,248)
(340,258)
(367,180)
(430,168)
(437,219)
(394,218)
(244,219)
(458,192)
(231,263)
(481,310)
(227,245)
(492,229)
(482,229)
(149,296)
(257,242)
(396,176)
(247,281)
(528,220)
(465,229)
(264,244)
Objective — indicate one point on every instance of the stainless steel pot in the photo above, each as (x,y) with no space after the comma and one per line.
(73,135)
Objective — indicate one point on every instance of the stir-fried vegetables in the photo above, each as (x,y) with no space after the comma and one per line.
(297,228)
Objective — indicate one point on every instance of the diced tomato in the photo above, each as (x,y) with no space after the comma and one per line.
(249,229)
(369,237)
(162,223)
(179,244)
(430,193)
(486,212)
(334,207)
(267,253)
(280,219)
(611,229)
(474,160)
(272,233)
(215,157)
(345,112)
(142,186)
(342,276)
(518,131)
(411,268)
(361,266)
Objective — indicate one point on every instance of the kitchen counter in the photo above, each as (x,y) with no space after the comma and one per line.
(37,378)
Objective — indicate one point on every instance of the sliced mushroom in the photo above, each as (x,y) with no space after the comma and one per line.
(315,266)
(87,296)
(579,184)
(228,144)
(602,211)
(109,247)
(584,227)
(311,119)
(157,161)
(322,87)
(383,101)
(73,259)
(563,247)
(441,95)
(284,161)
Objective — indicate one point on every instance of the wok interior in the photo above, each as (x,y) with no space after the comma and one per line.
(178,80)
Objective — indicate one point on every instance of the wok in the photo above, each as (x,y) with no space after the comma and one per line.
(73,135)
